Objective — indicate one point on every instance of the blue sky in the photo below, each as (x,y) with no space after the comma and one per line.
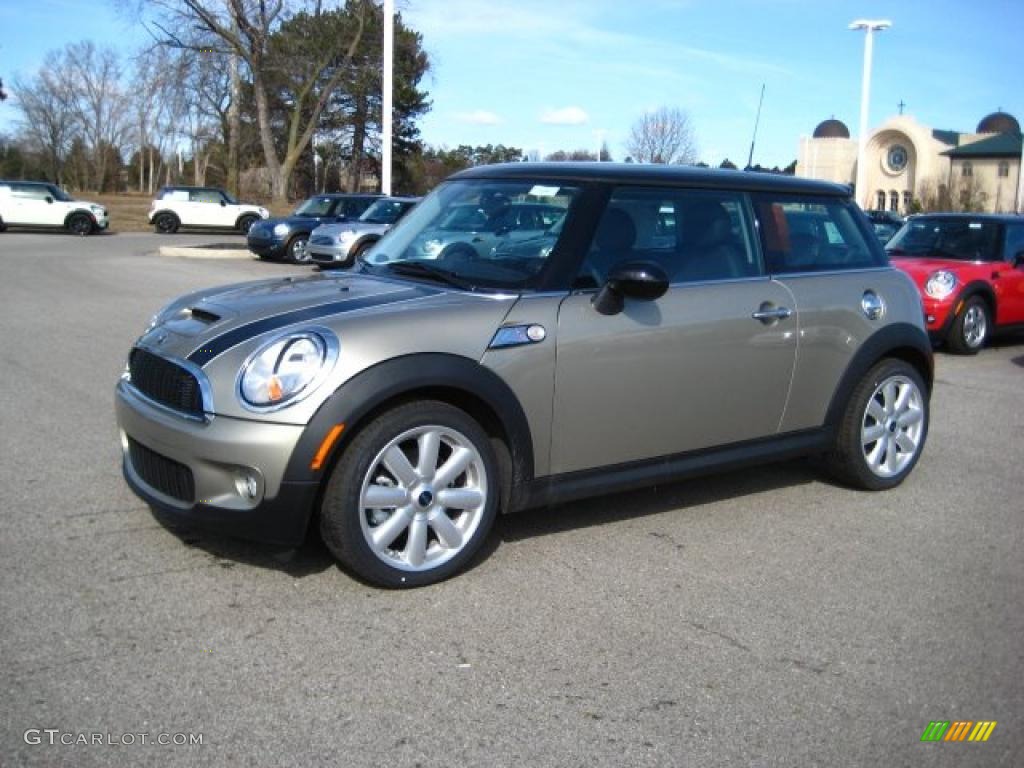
(562,74)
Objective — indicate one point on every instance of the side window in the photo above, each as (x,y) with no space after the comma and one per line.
(1014,241)
(811,235)
(205,196)
(694,235)
(30,191)
(176,195)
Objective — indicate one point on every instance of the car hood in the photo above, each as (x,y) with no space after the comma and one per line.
(923,266)
(201,325)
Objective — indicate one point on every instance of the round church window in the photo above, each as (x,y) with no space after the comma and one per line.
(897,158)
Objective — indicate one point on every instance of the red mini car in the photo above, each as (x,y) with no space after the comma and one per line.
(969,269)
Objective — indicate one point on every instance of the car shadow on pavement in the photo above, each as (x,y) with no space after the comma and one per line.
(678,496)
(310,558)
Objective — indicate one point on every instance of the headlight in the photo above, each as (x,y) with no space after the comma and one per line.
(344,237)
(264,213)
(283,369)
(98,209)
(940,284)
(281,229)
(432,247)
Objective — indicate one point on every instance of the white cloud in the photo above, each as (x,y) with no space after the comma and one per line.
(565,116)
(479,117)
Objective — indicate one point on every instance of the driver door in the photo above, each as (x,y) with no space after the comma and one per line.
(688,371)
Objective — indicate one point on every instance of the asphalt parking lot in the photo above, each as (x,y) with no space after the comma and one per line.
(761,618)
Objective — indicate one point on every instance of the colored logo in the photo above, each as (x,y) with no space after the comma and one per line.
(958,730)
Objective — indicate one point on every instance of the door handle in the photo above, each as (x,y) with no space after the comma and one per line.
(767,314)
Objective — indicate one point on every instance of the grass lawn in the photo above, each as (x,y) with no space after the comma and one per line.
(128,211)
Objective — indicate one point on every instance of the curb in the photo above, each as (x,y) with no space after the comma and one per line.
(200,252)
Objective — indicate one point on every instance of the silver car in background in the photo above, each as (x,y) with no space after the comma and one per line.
(340,244)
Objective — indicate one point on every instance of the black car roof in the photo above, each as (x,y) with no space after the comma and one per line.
(638,173)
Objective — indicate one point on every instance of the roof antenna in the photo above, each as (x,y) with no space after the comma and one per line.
(757,120)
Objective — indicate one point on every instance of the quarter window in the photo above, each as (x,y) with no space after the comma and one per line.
(811,235)
(1014,241)
(693,235)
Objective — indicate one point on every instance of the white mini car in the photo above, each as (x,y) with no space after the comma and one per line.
(39,204)
(202,207)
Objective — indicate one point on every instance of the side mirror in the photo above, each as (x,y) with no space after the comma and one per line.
(643,280)
(48,199)
(224,203)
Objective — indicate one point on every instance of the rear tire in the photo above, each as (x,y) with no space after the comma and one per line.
(883,429)
(413,497)
(80,224)
(971,327)
(166,223)
(245,223)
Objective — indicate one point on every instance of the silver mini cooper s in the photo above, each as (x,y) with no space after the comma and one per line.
(673,322)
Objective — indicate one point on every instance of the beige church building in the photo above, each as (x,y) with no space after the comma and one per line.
(911,165)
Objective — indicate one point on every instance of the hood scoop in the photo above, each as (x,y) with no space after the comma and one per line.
(203,315)
(191,321)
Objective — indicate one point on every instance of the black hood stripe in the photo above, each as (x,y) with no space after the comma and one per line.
(236,336)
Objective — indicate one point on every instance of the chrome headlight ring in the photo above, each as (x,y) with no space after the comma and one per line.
(940,284)
(271,378)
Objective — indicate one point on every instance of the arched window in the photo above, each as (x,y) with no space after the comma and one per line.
(966,170)
(906,199)
(1004,169)
(894,200)
(880,200)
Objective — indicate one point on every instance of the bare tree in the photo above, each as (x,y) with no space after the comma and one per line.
(245,28)
(46,103)
(100,104)
(663,136)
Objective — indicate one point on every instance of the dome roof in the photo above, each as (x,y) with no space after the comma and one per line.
(999,122)
(832,129)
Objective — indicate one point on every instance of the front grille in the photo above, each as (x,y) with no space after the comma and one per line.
(165,382)
(165,475)
(322,240)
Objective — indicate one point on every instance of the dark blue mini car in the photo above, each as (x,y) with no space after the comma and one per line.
(287,237)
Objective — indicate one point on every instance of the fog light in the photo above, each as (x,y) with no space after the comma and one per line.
(247,485)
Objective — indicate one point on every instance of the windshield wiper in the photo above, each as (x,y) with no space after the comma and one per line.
(419,269)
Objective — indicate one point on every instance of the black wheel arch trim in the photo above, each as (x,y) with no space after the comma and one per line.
(162,212)
(365,393)
(247,215)
(83,211)
(901,340)
(977,288)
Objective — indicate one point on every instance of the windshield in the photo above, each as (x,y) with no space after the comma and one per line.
(315,206)
(59,194)
(483,234)
(966,239)
(385,211)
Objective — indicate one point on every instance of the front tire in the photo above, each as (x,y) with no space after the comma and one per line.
(298,253)
(883,429)
(166,223)
(970,329)
(413,497)
(80,224)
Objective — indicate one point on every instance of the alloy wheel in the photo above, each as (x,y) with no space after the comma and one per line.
(423,498)
(892,426)
(975,326)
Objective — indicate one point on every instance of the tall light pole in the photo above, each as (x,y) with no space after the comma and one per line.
(870,27)
(386,108)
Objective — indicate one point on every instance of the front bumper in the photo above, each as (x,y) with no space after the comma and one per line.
(236,469)
(273,247)
(939,315)
(334,255)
